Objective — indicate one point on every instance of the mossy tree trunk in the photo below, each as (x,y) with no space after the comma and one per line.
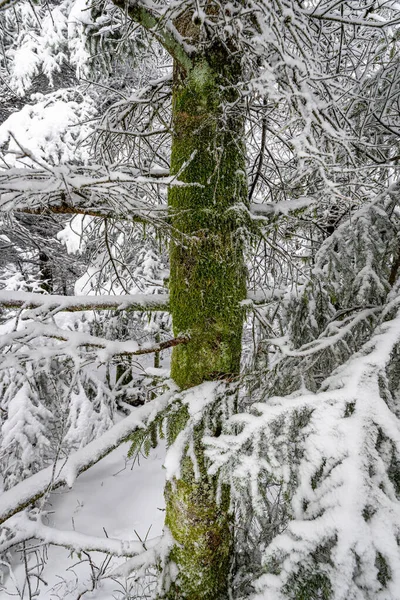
(207,281)
(208,276)
(207,285)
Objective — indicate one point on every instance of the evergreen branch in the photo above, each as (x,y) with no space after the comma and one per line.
(327,339)
(4,4)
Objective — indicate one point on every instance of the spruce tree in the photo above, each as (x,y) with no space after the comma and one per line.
(256,90)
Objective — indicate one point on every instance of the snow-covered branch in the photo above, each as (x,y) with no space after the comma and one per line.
(259,297)
(53,304)
(75,339)
(64,472)
(83,206)
(94,191)
(335,332)
(260,211)
(41,304)
(351,21)
(161,28)
(25,527)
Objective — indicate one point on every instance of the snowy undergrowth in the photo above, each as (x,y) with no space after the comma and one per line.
(114,499)
(109,508)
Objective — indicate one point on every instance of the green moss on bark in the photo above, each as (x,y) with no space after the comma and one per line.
(202,530)
(208,277)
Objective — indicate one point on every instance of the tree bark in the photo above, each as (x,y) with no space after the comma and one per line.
(207,285)
(46,272)
(207,280)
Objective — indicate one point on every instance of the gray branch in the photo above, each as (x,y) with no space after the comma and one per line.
(162,29)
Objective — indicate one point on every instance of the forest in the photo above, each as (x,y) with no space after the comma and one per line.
(200,299)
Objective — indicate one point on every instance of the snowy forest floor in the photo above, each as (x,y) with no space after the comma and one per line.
(115,498)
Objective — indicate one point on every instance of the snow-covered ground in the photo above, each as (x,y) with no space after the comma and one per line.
(113,498)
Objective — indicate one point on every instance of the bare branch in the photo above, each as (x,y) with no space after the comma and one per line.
(352,22)
(77,339)
(162,29)
(25,528)
(93,191)
(54,304)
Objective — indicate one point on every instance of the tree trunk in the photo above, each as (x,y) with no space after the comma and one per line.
(207,284)
(46,272)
